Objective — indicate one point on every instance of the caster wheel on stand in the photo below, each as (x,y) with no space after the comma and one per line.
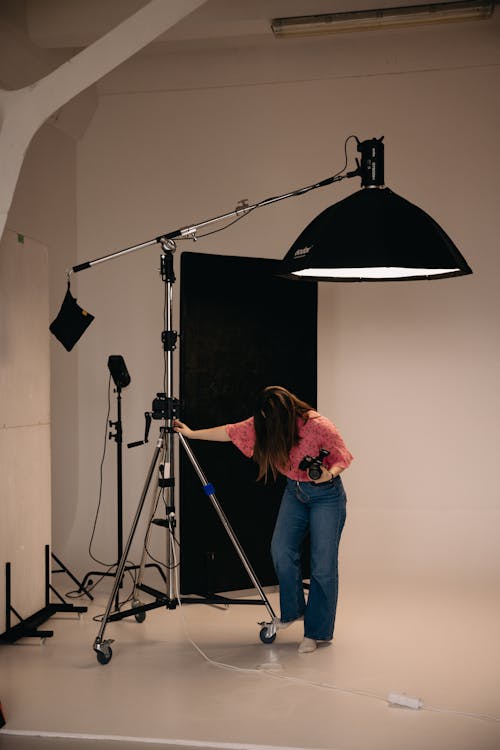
(104,653)
(140,616)
(267,636)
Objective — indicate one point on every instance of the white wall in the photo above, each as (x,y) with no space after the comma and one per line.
(24,425)
(408,371)
(44,208)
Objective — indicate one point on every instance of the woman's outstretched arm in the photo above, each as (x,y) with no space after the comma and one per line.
(217,434)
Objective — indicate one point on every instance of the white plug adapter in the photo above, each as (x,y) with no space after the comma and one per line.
(395,699)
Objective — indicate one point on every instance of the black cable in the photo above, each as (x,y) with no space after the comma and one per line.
(159,562)
(299,191)
(345,152)
(226,226)
(77,593)
(161,494)
(133,576)
(108,565)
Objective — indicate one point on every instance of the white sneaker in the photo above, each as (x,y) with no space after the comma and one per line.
(307,646)
(284,625)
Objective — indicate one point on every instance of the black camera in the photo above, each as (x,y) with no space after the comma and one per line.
(314,466)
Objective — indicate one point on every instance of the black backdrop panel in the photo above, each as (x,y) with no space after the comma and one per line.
(242,328)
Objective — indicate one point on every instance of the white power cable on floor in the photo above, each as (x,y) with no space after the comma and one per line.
(393,699)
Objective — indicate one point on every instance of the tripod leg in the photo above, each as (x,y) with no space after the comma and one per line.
(209,491)
(166,485)
(142,564)
(101,647)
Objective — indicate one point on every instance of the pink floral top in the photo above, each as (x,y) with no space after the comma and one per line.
(318,432)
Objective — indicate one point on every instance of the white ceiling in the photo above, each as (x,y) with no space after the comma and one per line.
(56,24)
(36,36)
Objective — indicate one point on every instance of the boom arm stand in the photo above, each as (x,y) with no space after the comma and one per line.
(165,408)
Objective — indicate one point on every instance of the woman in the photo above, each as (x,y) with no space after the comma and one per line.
(281,433)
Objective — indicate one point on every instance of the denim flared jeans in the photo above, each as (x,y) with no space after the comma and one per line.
(319,509)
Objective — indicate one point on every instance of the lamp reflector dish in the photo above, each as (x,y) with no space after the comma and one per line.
(373,235)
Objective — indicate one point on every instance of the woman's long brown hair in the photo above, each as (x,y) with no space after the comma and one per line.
(275,418)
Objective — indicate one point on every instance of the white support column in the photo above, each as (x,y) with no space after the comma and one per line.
(22,112)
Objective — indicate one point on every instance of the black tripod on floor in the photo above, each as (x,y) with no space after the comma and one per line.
(121,378)
(165,409)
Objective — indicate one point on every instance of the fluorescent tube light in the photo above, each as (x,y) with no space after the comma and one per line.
(365,20)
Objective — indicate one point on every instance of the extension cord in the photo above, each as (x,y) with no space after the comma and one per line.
(393,699)
(404,700)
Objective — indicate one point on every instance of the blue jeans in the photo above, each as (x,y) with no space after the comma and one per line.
(321,510)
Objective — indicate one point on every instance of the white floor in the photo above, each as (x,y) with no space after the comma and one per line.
(440,647)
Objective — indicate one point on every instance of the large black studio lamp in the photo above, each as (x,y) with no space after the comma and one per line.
(373,235)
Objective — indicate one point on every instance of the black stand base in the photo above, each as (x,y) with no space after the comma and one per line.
(29,627)
(161,600)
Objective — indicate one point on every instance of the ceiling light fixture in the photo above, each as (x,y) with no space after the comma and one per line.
(369,20)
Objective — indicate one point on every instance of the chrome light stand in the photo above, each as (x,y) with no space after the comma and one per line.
(165,407)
